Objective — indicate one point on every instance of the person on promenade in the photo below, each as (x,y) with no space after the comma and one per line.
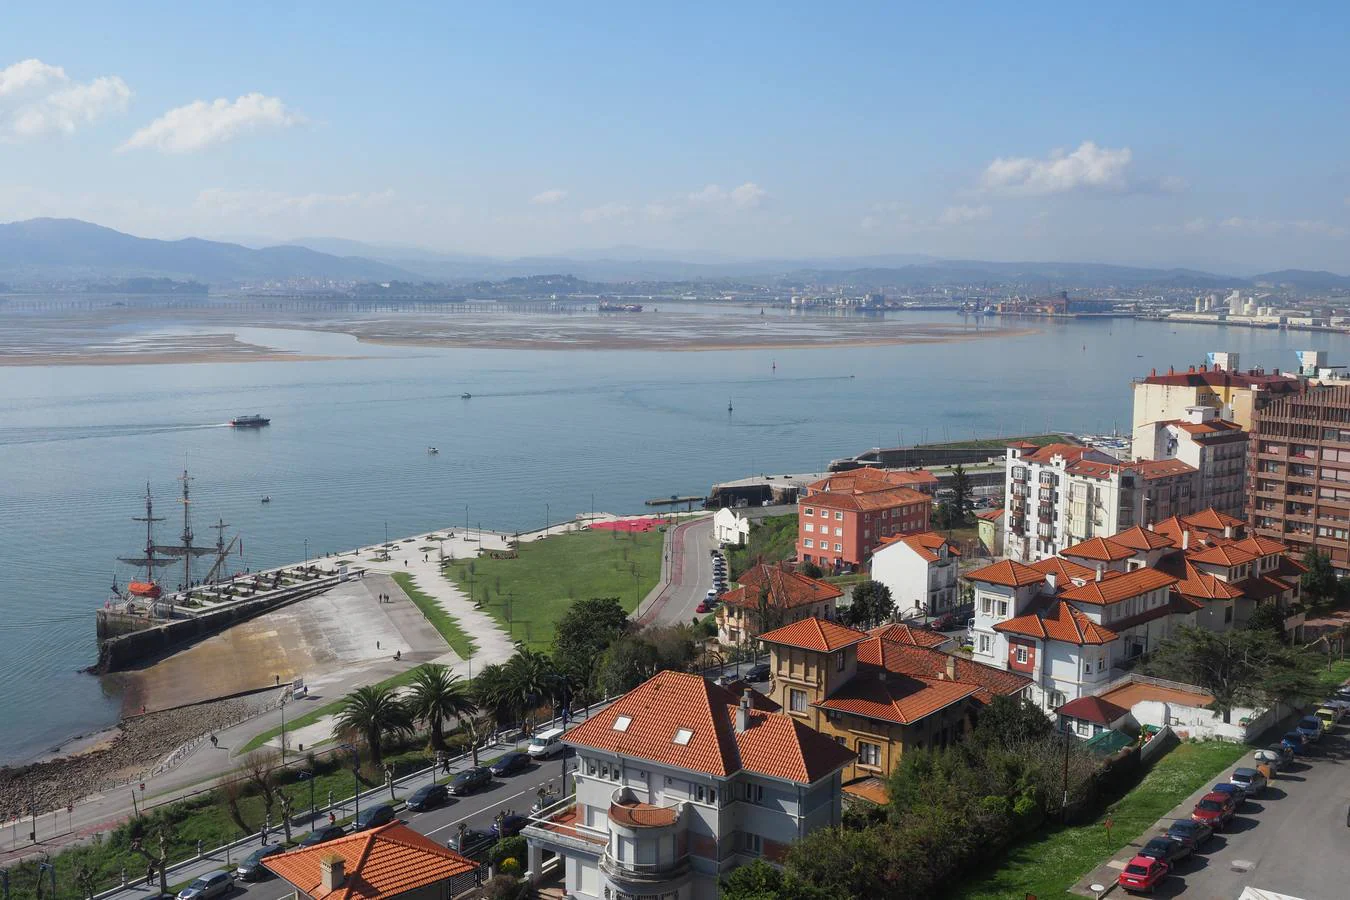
(214,742)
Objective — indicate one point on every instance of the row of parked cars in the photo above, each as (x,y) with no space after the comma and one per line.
(429,796)
(1216,809)
(709,603)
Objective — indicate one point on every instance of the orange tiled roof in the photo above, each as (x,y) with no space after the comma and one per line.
(1064,570)
(820,635)
(867,479)
(990,515)
(637,814)
(872,789)
(867,502)
(1221,555)
(926,662)
(1211,519)
(1058,622)
(775,744)
(1103,549)
(1070,452)
(900,699)
(787,589)
(1204,429)
(925,543)
(382,862)
(1161,468)
(1196,584)
(1093,709)
(1007,572)
(900,633)
(1261,546)
(1140,538)
(1117,586)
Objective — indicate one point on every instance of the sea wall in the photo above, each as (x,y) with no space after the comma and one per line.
(126,650)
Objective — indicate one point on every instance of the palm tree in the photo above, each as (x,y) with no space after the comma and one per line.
(531,679)
(373,711)
(491,690)
(437,695)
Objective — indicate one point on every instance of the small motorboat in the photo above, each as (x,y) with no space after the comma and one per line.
(465,396)
(433,451)
(266,499)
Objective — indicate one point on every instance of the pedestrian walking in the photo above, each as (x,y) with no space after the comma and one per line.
(262,835)
(332,819)
(214,742)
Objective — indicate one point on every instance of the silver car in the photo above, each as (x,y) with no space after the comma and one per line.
(216,884)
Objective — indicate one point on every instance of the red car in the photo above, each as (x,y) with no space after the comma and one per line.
(1142,874)
(703,607)
(1215,810)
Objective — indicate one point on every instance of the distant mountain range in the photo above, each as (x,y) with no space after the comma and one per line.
(68,249)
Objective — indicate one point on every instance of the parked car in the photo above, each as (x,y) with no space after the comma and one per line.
(703,607)
(1215,810)
(471,840)
(322,835)
(510,763)
(758,672)
(374,817)
(1166,849)
(546,743)
(1237,792)
(1250,780)
(510,825)
(429,796)
(1191,833)
(1276,756)
(469,780)
(1297,743)
(251,867)
(1328,716)
(712,594)
(1311,728)
(208,886)
(1143,874)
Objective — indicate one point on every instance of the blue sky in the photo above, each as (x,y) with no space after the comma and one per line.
(1194,134)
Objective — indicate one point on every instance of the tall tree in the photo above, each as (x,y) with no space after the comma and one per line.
(373,712)
(492,693)
(962,502)
(436,696)
(531,680)
(1319,582)
(628,662)
(767,614)
(1236,667)
(871,605)
(1009,721)
(583,634)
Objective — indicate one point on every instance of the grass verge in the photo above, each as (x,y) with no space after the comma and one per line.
(772,539)
(527,595)
(1335,675)
(1048,864)
(442,621)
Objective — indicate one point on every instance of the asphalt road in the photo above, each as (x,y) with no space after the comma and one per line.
(1292,840)
(691,576)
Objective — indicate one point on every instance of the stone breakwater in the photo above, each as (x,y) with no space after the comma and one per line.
(134,749)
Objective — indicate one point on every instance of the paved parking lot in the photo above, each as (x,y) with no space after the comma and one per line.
(1291,840)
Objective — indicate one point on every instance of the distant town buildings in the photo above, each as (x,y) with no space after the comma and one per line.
(843,517)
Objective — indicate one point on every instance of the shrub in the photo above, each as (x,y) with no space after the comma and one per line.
(509,866)
(512,848)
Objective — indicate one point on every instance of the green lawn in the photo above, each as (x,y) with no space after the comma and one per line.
(772,539)
(529,594)
(1048,864)
(446,624)
(1335,676)
(1040,440)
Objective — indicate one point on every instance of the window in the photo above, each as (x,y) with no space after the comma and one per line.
(839,662)
(809,511)
(1021,654)
(590,767)
(1001,607)
(984,643)
(751,843)
(809,526)
(987,606)
(839,517)
(797,700)
(699,793)
(754,793)
(807,542)
(682,737)
(1082,727)
(1228,614)
(622,723)
(839,532)
(869,754)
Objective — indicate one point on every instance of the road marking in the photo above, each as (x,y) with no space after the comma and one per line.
(533,790)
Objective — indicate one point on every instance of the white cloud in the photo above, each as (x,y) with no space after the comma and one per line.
(604,213)
(1089,166)
(38,99)
(958,215)
(748,196)
(662,212)
(549,197)
(200,124)
(271,204)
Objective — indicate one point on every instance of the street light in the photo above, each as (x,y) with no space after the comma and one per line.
(282,707)
(307,775)
(356,774)
(546,518)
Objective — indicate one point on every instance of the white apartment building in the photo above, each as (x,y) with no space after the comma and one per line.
(1215,447)
(730,529)
(1063,494)
(678,782)
(921,570)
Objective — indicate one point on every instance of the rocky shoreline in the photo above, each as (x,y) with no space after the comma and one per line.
(134,748)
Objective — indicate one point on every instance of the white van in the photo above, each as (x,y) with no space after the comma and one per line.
(546,744)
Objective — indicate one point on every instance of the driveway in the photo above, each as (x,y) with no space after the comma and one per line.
(1291,840)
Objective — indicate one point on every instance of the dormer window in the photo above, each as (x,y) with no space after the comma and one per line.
(683,736)
(622,723)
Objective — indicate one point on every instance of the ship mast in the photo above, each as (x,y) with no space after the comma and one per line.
(187,550)
(150,560)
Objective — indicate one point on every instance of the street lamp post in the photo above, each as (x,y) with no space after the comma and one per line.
(282,707)
(356,774)
(546,518)
(309,776)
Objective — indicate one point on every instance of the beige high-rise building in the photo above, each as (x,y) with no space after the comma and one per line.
(1162,397)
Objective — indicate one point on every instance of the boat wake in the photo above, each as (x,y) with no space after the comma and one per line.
(60,434)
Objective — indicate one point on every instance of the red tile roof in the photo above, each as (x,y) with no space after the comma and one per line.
(382,862)
(775,744)
(820,635)
(900,699)
(1149,469)
(1070,452)
(1058,622)
(1261,546)
(925,662)
(1212,427)
(1093,709)
(990,515)
(1117,586)
(1102,549)
(1270,381)
(1211,519)
(1221,555)
(1007,572)
(900,633)
(925,543)
(787,589)
(869,479)
(1064,570)
(1139,538)
(1196,584)
(636,814)
(869,501)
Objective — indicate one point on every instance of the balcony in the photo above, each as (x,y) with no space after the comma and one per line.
(637,829)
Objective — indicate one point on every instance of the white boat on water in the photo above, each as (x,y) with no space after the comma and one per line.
(433,451)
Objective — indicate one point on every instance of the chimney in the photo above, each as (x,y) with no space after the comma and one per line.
(951,667)
(743,713)
(1228,531)
(1052,579)
(1099,571)
(1185,539)
(331,875)
(1171,370)
(1153,372)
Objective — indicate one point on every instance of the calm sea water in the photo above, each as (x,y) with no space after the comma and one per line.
(545,433)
